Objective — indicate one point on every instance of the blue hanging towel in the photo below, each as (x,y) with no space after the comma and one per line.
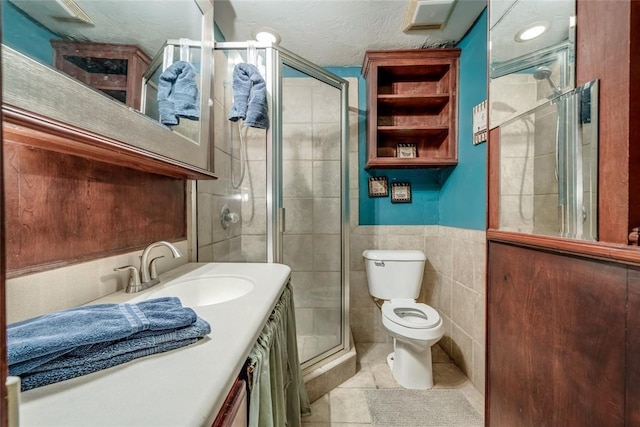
(249,97)
(178,94)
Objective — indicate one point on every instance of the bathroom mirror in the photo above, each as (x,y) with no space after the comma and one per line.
(549,167)
(90,37)
(526,71)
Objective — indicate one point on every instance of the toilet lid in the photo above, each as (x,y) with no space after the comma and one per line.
(411,314)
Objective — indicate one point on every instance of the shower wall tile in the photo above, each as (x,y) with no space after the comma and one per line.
(257,176)
(221,127)
(326,101)
(327,253)
(221,251)
(205,219)
(205,253)
(254,216)
(297,178)
(298,252)
(296,106)
(299,217)
(546,123)
(516,176)
(326,216)
(545,174)
(256,143)
(220,74)
(516,213)
(328,323)
(297,141)
(254,248)
(326,141)
(301,281)
(546,214)
(235,248)
(317,289)
(326,178)
(304,321)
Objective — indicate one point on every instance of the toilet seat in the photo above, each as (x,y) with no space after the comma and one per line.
(411,314)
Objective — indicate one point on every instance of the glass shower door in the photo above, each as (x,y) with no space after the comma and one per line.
(311,228)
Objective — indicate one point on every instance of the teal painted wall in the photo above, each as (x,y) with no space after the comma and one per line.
(453,196)
(463,194)
(26,35)
(424,183)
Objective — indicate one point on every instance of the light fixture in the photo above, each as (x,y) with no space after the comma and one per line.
(268,35)
(532,31)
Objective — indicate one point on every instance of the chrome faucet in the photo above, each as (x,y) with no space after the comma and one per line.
(148,273)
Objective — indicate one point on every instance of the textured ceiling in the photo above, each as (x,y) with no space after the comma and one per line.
(338,32)
(510,16)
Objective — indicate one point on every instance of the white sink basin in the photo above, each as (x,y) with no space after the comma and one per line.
(206,290)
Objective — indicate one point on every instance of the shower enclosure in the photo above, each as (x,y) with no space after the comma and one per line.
(292,180)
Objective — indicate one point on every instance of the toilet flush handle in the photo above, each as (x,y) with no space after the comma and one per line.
(379,263)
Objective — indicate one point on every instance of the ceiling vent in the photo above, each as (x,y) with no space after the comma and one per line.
(49,12)
(428,14)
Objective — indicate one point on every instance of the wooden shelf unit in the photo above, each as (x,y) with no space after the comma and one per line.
(412,98)
(115,69)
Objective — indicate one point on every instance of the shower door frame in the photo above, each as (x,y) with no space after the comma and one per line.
(276,57)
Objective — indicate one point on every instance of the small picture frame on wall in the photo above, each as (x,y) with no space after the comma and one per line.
(401,192)
(378,186)
(406,151)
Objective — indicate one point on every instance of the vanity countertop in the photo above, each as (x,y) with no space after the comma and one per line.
(183,387)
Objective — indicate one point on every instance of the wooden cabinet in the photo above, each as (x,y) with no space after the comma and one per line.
(114,69)
(561,337)
(234,409)
(412,99)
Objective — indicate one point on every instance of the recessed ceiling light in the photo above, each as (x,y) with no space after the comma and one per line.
(268,35)
(531,31)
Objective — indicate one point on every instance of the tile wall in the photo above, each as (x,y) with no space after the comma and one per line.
(214,242)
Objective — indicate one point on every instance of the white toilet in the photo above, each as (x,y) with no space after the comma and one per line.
(396,276)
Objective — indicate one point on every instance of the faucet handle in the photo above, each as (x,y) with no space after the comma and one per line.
(133,284)
(153,268)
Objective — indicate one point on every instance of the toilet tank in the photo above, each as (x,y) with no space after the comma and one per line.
(394,274)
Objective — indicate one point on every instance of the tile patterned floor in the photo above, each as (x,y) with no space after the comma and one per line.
(346,405)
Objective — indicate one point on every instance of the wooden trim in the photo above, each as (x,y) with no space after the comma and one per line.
(623,254)
(603,36)
(493,180)
(35,130)
(4,365)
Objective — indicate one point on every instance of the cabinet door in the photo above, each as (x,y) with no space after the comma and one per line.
(556,331)
(632,409)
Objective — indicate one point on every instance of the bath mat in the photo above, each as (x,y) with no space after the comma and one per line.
(412,408)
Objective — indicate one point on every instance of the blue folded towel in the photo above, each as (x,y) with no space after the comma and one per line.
(178,94)
(92,358)
(249,97)
(47,337)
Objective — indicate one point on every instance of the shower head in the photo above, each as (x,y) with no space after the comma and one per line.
(544,73)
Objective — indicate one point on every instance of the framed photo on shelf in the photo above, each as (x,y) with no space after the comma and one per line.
(406,151)
(378,186)
(401,192)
